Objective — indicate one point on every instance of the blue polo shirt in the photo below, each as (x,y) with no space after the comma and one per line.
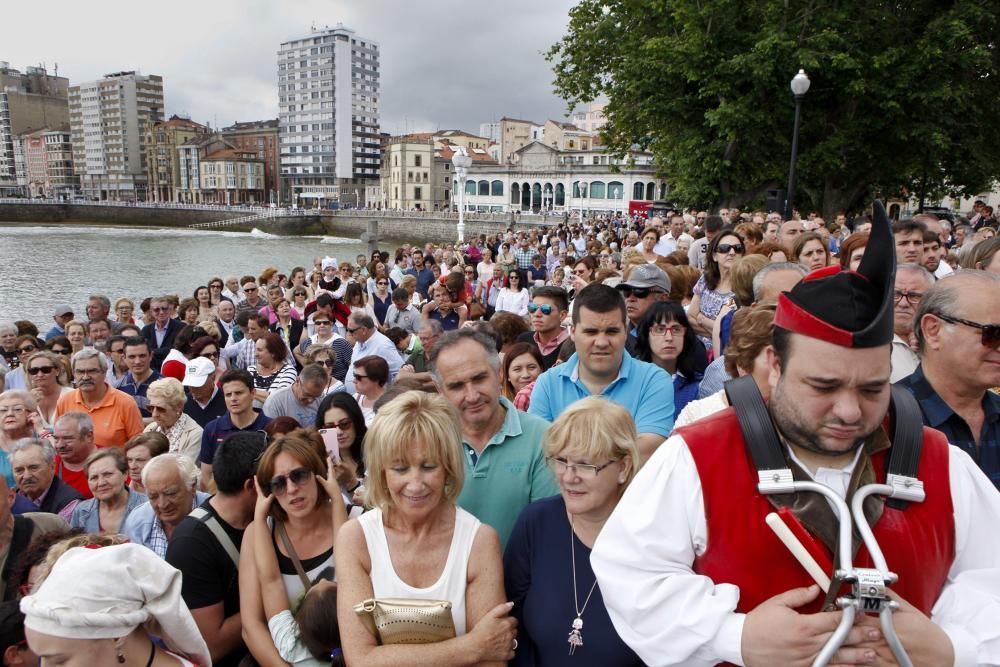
(138,391)
(219,429)
(938,414)
(644,389)
(509,474)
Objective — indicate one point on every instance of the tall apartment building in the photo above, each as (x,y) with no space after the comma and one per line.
(260,137)
(29,101)
(48,163)
(108,120)
(328,100)
(490,130)
(162,138)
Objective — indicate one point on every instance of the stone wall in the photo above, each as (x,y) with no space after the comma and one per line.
(413,230)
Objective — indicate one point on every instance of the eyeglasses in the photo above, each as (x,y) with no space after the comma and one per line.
(60,350)
(329,363)
(27,348)
(159,309)
(15,410)
(45,370)
(352,330)
(215,286)
(991,332)
(249,289)
(725,248)
(360,377)
(582,470)
(343,424)
(912,297)
(321,323)
(662,329)
(381,283)
(544,307)
(515,277)
(637,292)
(298,477)
(210,355)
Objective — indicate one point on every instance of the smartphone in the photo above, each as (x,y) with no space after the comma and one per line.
(330,441)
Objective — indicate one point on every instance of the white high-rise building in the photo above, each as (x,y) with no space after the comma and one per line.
(328,120)
(108,120)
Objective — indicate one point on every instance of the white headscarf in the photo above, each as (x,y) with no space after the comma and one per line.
(328,262)
(106,593)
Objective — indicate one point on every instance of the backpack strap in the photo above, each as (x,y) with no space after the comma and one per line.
(212,523)
(759,434)
(907,445)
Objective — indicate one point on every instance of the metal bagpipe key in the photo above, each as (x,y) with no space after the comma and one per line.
(869,586)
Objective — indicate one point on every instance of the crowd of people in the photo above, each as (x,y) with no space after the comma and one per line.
(525,449)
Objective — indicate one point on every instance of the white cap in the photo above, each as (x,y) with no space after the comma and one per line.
(197,371)
(328,262)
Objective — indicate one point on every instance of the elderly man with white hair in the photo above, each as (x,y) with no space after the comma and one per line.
(171,482)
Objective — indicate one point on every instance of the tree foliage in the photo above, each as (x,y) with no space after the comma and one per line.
(904,95)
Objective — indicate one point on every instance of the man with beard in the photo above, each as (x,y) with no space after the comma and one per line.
(691,576)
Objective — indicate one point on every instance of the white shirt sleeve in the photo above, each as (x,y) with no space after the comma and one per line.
(643,560)
(969,607)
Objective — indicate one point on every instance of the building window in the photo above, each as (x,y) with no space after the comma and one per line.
(416,160)
(418,193)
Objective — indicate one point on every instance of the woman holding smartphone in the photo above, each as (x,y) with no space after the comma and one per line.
(341,423)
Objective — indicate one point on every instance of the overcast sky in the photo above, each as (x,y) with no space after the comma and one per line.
(445,63)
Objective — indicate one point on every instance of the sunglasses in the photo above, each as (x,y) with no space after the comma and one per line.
(515,277)
(27,348)
(381,282)
(351,331)
(544,307)
(360,377)
(990,332)
(249,289)
(321,323)
(637,292)
(45,370)
(298,477)
(343,424)
(724,248)
(209,355)
(329,363)
(59,350)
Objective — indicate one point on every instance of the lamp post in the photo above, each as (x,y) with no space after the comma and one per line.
(462,162)
(800,86)
(583,193)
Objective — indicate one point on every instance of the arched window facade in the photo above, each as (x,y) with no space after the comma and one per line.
(470,187)
(560,195)
(496,189)
(515,193)
(650,191)
(597,190)
(616,190)
(484,188)
(639,191)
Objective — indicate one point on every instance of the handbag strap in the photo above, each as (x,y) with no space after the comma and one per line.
(279,526)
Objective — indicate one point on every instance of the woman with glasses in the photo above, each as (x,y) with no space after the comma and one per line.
(300,529)
(714,288)
(371,374)
(341,412)
(17,420)
(124,308)
(592,451)
(299,296)
(113,500)
(324,355)
(381,299)
(76,333)
(215,287)
(26,346)
(326,335)
(48,379)
(166,403)
(289,328)
(297,280)
(379,272)
(60,345)
(513,298)
(665,338)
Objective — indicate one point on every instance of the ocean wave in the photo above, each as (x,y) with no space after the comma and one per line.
(338,239)
(131,232)
(257,234)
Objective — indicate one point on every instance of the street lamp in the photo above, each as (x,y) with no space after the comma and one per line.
(462,162)
(583,193)
(800,86)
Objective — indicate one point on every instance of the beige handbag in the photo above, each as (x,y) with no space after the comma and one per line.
(406,620)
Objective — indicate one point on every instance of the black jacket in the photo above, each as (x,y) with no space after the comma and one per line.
(160,352)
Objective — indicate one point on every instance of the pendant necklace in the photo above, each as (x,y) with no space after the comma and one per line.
(575,636)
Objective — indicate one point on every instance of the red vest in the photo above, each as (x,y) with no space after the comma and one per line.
(918,543)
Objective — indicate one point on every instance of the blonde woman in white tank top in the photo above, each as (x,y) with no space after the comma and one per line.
(417,543)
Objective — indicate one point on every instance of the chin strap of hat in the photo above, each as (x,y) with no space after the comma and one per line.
(869,586)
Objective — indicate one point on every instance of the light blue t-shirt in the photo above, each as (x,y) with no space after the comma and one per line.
(642,388)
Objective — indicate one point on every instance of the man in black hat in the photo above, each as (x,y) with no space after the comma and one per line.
(646,284)
(692,576)
(13,646)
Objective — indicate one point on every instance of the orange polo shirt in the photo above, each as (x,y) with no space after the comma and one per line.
(116,418)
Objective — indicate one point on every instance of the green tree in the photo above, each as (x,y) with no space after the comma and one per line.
(904,94)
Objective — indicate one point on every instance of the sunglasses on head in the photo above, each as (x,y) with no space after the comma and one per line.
(544,307)
(298,477)
(724,248)
(990,332)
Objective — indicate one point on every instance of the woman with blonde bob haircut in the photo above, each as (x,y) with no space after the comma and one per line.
(592,450)
(417,543)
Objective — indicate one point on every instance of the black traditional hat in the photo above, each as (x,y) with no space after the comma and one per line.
(848,308)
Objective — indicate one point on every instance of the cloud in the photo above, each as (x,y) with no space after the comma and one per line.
(444,63)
